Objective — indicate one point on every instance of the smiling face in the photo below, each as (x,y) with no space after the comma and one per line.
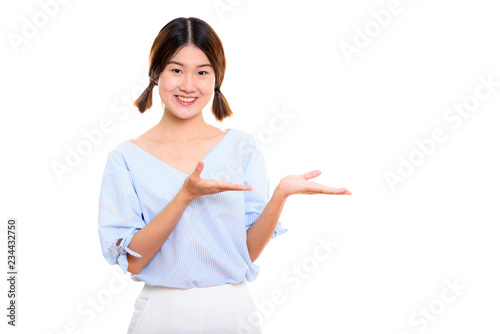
(186,85)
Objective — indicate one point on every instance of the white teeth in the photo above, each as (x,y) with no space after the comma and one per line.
(183,99)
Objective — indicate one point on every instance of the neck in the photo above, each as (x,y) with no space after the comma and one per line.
(172,128)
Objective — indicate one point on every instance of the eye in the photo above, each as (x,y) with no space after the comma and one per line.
(203,72)
(176,69)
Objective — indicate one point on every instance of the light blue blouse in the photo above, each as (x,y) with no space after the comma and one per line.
(208,245)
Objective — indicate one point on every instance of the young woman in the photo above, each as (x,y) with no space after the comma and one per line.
(185,207)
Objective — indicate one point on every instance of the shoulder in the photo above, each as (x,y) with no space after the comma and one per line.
(246,142)
(120,147)
(247,145)
(244,137)
(118,152)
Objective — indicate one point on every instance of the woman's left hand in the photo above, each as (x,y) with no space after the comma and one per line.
(299,184)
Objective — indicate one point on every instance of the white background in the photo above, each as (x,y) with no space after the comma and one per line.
(352,120)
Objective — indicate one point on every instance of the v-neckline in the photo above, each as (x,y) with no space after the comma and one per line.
(173,168)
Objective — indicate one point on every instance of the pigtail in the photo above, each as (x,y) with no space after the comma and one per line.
(145,100)
(220,106)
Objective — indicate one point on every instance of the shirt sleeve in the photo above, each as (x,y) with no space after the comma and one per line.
(255,174)
(120,215)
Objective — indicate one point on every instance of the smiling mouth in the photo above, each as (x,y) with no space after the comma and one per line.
(185,99)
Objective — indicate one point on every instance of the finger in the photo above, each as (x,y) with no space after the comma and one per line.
(341,191)
(322,189)
(235,186)
(326,187)
(337,190)
(312,174)
(231,186)
(199,167)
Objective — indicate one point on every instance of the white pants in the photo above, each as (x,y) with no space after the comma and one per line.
(224,309)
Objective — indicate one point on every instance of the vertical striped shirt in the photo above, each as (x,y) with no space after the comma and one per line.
(208,245)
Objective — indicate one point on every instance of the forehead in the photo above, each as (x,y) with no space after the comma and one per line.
(189,55)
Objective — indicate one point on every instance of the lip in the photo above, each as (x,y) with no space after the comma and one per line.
(186,103)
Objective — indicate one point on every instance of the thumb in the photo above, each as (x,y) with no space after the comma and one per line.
(199,168)
(312,174)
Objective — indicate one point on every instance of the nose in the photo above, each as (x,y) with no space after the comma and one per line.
(187,83)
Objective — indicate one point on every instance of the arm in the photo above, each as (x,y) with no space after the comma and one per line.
(151,237)
(259,234)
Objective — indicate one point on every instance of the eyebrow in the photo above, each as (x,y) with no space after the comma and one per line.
(174,62)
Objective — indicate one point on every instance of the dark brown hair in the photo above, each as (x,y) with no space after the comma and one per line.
(176,34)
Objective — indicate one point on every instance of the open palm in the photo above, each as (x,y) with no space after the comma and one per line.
(299,184)
(194,185)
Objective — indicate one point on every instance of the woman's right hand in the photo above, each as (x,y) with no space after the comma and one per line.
(195,186)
